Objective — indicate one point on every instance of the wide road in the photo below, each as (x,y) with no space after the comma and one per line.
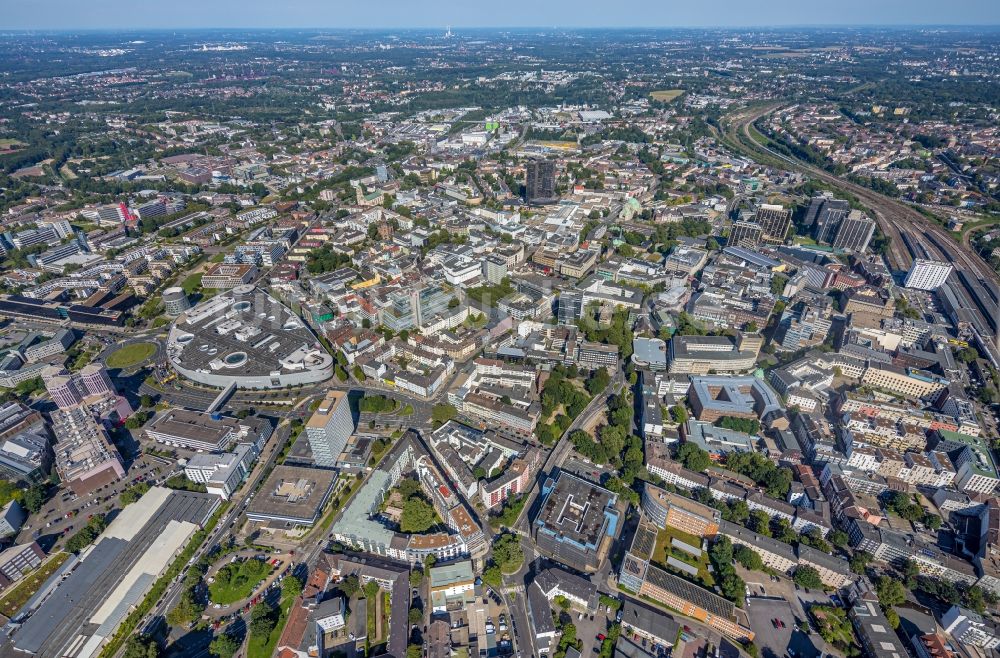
(176,587)
(892,215)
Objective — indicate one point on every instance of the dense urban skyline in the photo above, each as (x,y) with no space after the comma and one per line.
(396,14)
(426,341)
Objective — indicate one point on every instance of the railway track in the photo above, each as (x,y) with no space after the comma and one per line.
(911,234)
(893,217)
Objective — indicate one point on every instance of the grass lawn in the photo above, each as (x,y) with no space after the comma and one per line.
(407,410)
(666,95)
(370,621)
(261,647)
(17,596)
(9,143)
(131,355)
(664,550)
(192,284)
(235,582)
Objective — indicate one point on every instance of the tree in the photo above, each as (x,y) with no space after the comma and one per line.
(508,553)
(141,646)
(493,577)
(350,586)
(679,413)
(838,538)
(415,615)
(736,511)
(932,521)
(693,457)
(748,558)
(186,611)
(262,619)
(598,381)
(442,413)
(137,420)
(291,586)
(416,577)
(859,562)
(414,651)
(892,617)
(760,522)
(890,591)
(224,646)
(146,400)
(371,589)
(418,516)
(35,497)
(808,577)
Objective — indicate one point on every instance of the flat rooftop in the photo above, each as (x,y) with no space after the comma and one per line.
(574,509)
(194,426)
(294,494)
(327,407)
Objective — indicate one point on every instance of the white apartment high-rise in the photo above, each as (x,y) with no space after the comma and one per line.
(927,274)
(329,428)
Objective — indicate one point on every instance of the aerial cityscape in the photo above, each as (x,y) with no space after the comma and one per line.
(499,342)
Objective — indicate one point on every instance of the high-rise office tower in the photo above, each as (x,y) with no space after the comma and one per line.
(570,306)
(61,387)
(855,232)
(540,181)
(329,428)
(745,234)
(828,218)
(927,274)
(96,380)
(774,220)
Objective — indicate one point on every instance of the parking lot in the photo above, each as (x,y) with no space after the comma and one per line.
(51,524)
(782,640)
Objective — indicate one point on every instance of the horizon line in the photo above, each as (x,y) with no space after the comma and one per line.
(5,30)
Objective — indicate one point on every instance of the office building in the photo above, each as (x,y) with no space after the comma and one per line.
(96,380)
(197,430)
(570,306)
(855,232)
(670,510)
(969,627)
(540,181)
(86,459)
(62,388)
(701,354)
(11,519)
(775,221)
(292,496)
(228,275)
(927,274)
(222,473)
(175,301)
(745,234)
(452,586)
(576,521)
(824,216)
(17,561)
(329,428)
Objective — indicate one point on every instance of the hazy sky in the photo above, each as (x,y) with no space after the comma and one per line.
(114,14)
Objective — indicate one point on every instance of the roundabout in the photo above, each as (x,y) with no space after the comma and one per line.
(131,355)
